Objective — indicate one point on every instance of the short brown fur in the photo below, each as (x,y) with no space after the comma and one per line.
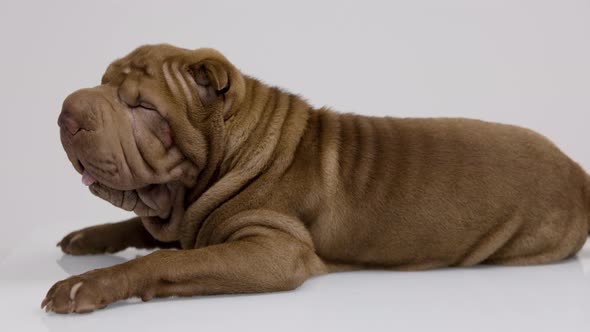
(263,191)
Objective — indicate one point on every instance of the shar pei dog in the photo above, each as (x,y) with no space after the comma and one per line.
(247,188)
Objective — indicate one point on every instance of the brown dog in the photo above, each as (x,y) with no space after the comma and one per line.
(261,191)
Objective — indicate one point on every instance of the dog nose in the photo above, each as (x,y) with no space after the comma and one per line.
(76,113)
(67,121)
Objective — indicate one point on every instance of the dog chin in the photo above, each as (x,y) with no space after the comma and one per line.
(89,179)
(152,200)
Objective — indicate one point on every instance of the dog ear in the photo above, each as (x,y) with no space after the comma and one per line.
(218,81)
(212,78)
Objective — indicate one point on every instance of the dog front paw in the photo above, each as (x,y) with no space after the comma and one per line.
(91,240)
(86,292)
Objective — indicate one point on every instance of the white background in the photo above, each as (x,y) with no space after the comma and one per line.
(512,61)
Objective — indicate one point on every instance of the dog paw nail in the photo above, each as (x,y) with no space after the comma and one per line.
(44,303)
(74,290)
(49,306)
(76,237)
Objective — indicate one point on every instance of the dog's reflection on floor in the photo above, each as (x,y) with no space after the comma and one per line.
(74,265)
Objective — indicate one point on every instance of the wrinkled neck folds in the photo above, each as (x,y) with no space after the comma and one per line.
(260,137)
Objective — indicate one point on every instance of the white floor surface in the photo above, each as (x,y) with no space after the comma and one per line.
(539,298)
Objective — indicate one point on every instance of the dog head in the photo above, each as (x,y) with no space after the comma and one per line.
(150,129)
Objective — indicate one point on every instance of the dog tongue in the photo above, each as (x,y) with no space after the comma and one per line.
(87,179)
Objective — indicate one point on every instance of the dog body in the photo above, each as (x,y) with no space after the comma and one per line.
(424,193)
(260,191)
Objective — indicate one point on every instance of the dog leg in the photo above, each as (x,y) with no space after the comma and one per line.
(110,238)
(265,262)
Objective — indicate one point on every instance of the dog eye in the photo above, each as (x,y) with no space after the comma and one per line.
(146,105)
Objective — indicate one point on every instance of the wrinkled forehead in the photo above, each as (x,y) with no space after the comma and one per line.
(145,60)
